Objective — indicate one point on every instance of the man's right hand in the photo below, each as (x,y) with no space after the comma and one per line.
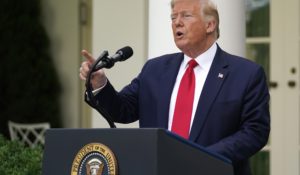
(98,78)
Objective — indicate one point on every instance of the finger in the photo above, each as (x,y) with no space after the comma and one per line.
(82,77)
(88,56)
(85,65)
(85,68)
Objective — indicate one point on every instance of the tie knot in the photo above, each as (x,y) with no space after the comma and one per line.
(192,63)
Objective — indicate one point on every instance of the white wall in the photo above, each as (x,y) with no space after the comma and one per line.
(117,24)
(62,25)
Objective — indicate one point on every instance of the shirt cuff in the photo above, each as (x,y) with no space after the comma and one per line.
(96,91)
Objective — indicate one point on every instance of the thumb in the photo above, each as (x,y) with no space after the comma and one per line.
(88,56)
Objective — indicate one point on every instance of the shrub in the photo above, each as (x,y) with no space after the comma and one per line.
(29,88)
(17,159)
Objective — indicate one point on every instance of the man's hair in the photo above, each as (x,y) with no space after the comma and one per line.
(208,11)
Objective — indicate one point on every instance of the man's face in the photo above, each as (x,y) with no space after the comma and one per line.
(189,29)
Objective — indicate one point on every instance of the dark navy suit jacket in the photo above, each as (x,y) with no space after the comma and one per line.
(232,116)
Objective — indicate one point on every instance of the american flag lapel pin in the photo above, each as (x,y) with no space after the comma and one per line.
(221,75)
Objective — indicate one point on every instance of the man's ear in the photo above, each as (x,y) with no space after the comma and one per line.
(210,26)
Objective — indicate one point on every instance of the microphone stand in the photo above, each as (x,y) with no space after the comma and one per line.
(89,97)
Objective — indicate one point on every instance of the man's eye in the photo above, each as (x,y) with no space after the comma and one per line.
(187,15)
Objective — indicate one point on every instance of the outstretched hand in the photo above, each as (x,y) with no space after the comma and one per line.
(98,78)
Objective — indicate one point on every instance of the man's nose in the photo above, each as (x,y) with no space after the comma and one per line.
(178,21)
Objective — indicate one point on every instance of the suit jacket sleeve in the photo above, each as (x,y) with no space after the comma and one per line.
(123,106)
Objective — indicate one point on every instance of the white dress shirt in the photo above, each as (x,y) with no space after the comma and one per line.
(201,71)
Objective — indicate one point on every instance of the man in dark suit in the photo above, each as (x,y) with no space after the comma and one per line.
(228,111)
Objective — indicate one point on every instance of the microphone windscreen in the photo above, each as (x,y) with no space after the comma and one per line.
(125,53)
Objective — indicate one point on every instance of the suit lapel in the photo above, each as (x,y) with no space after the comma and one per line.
(166,84)
(215,78)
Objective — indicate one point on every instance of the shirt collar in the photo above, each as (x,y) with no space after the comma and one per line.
(205,59)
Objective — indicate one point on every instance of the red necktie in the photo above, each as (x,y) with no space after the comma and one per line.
(184,102)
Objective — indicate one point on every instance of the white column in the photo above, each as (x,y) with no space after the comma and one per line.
(232,27)
(160,30)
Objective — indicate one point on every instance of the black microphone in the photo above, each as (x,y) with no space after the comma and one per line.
(109,61)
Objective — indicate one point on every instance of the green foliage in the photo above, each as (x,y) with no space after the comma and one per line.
(258,24)
(29,88)
(16,159)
